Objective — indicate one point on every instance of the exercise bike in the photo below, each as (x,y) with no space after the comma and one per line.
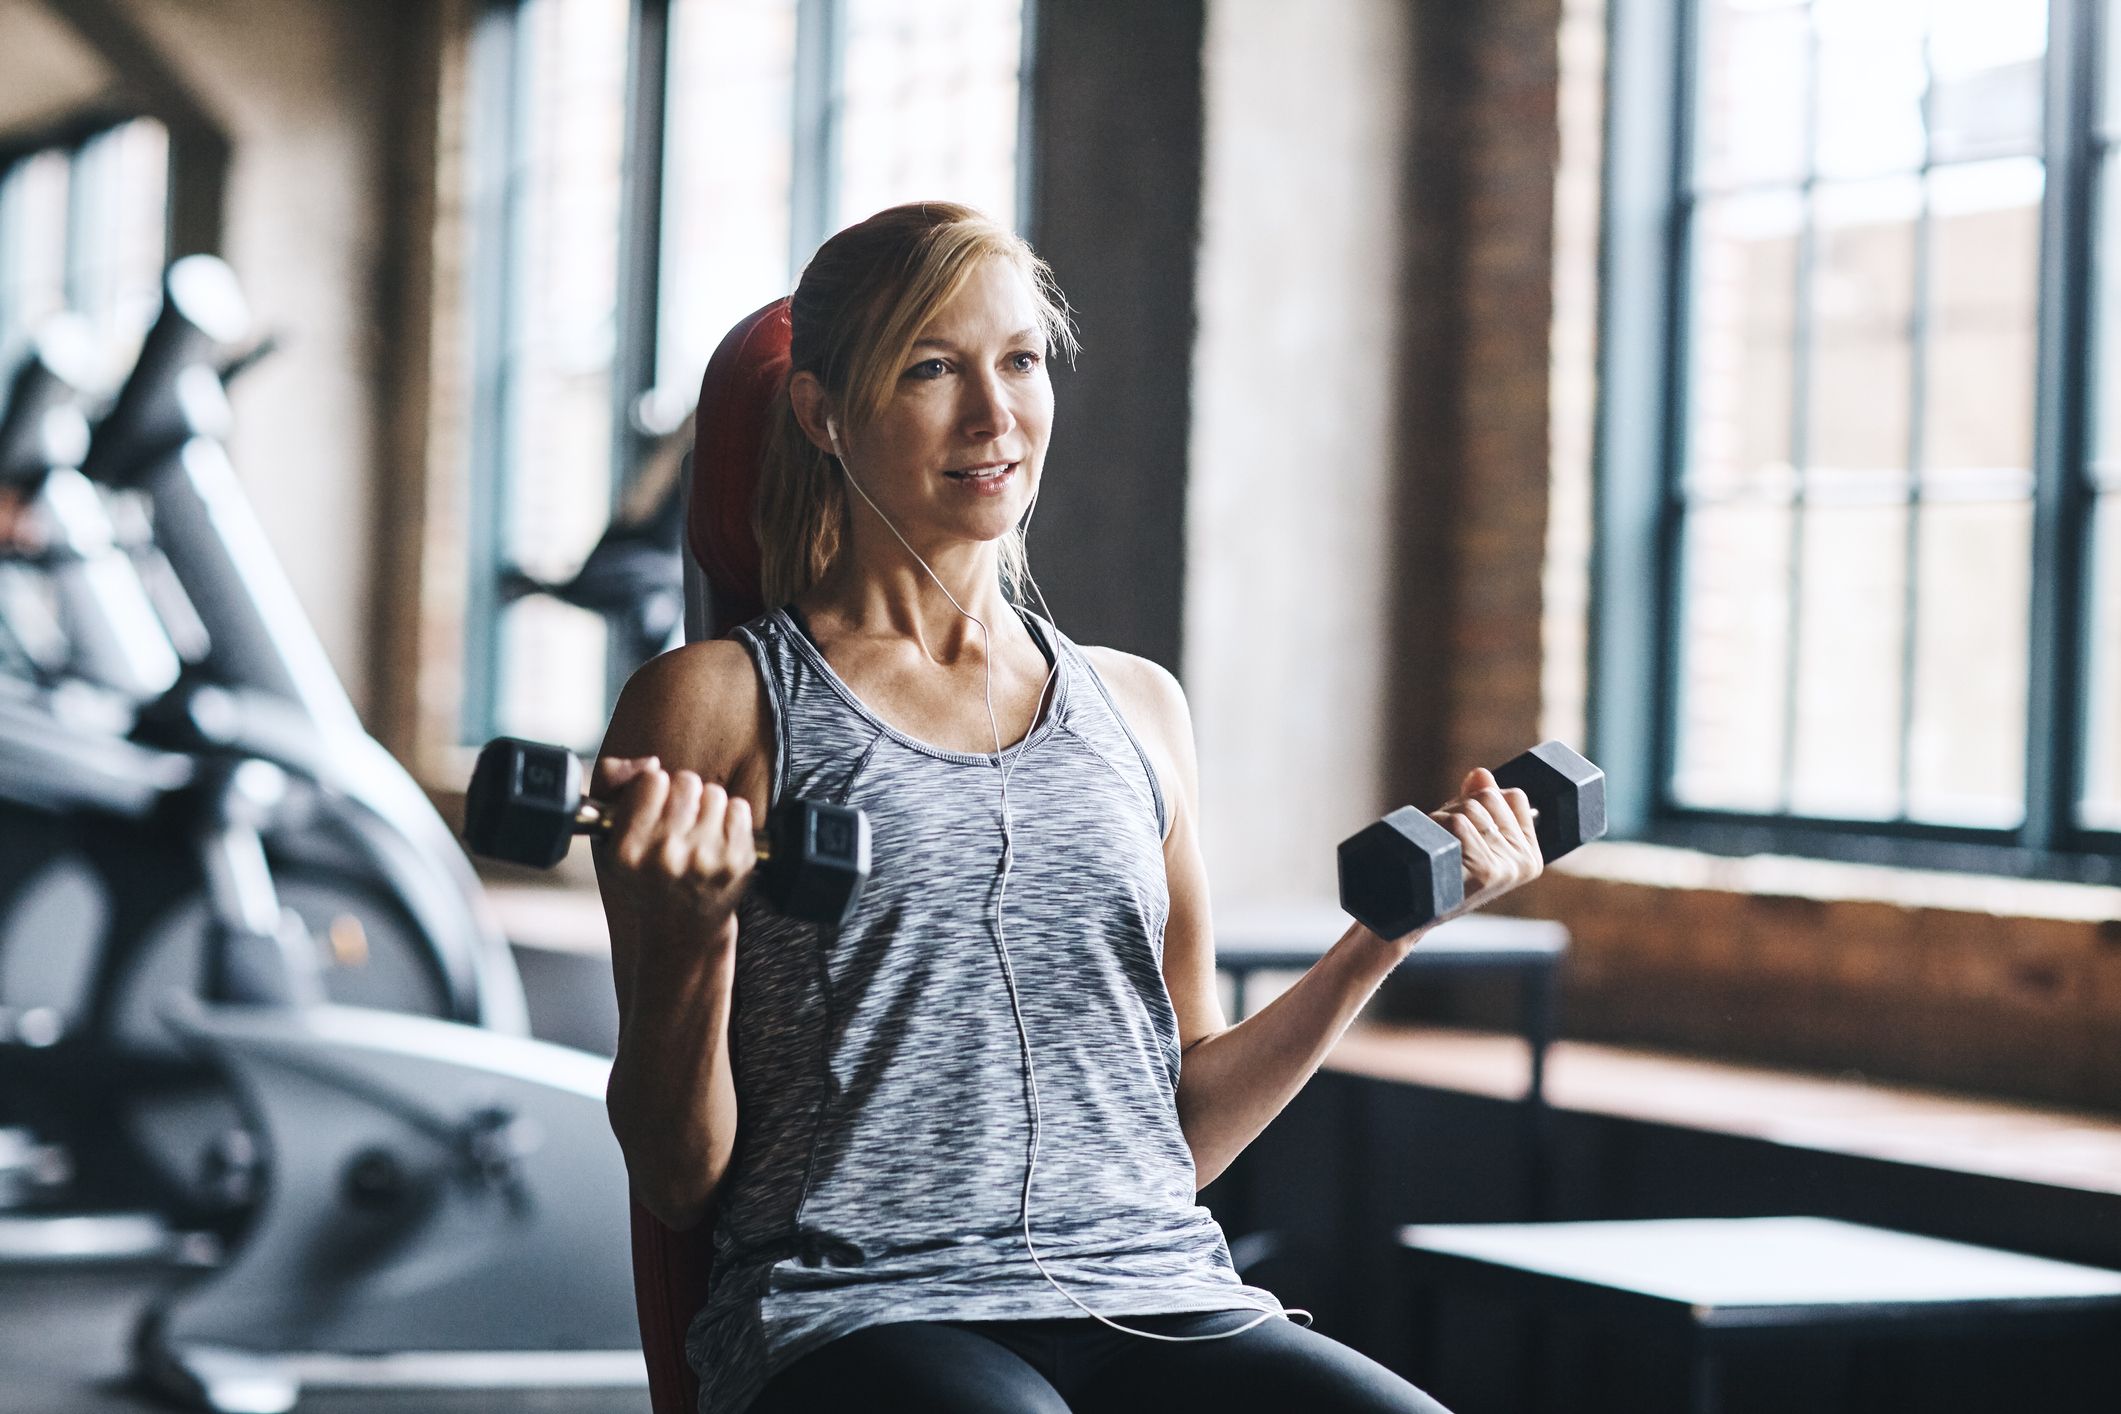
(88,650)
(424,1198)
(129,777)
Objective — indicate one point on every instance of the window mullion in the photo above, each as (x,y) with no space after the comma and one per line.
(1637,329)
(1669,534)
(1800,430)
(820,48)
(1026,111)
(637,303)
(1917,424)
(501,82)
(640,235)
(2055,716)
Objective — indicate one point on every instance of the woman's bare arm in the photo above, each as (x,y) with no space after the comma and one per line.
(1235,1079)
(671,873)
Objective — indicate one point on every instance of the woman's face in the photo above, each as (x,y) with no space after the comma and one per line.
(957,452)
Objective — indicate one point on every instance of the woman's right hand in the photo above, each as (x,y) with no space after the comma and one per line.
(680,849)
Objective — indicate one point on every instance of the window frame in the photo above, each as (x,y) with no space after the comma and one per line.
(1638,445)
(72,137)
(497,84)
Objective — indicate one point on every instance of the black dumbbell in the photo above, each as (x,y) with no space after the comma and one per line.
(1406,870)
(525,805)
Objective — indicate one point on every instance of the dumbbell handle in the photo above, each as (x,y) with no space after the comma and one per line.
(590,818)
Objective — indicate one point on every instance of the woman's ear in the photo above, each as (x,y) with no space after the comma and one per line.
(813,411)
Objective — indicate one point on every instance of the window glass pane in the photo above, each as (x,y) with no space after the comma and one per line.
(1846,756)
(2109,97)
(1966,751)
(552,673)
(1986,62)
(1862,293)
(727,190)
(1983,316)
(33,202)
(1742,341)
(1754,76)
(1966,748)
(1883,160)
(2101,807)
(1734,656)
(2105,410)
(1871,78)
(929,106)
(118,240)
(566,202)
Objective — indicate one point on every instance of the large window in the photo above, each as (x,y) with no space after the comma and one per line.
(646,173)
(83,227)
(1859,564)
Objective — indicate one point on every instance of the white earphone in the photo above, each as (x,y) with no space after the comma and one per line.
(832,433)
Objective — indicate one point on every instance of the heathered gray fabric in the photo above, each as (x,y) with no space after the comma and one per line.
(883,1115)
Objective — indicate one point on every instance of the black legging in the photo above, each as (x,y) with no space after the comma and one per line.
(1077,1366)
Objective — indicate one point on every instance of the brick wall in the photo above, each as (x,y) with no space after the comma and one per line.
(1497,63)
(1987,985)
(2020,996)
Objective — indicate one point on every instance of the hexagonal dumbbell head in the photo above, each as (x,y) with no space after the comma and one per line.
(522,802)
(817,860)
(1566,790)
(1400,873)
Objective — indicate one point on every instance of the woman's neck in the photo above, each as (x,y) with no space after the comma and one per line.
(899,601)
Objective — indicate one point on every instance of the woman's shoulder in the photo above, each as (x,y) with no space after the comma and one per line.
(699,707)
(1152,703)
(1148,695)
(1138,682)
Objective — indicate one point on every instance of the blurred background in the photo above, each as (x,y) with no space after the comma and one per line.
(1722,386)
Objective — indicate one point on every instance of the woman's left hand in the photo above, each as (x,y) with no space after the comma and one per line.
(1494,830)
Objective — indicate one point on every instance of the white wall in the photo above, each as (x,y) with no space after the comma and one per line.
(1297,371)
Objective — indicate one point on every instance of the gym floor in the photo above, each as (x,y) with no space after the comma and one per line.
(64,1332)
(63,1351)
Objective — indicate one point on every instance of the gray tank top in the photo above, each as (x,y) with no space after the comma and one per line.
(883,1111)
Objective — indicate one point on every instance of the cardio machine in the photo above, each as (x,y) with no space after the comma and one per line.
(416,1196)
(172,815)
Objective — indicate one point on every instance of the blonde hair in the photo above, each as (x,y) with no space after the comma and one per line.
(861,302)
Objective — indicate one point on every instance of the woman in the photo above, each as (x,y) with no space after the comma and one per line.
(952,1149)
